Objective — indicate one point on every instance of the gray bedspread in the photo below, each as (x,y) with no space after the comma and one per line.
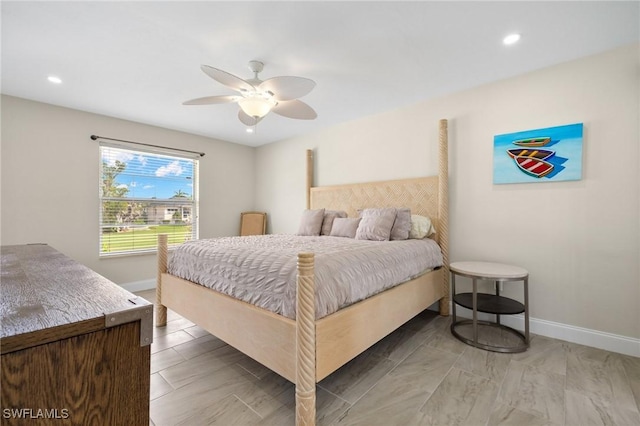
(261,270)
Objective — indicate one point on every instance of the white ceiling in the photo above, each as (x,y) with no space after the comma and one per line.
(140,60)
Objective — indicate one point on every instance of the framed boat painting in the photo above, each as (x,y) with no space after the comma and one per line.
(551,154)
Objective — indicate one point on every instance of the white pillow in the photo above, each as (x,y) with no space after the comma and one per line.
(376,224)
(421,227)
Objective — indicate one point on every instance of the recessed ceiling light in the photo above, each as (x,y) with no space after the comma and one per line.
(511,39)
(54,79)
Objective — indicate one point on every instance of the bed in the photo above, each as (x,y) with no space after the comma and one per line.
(304,349)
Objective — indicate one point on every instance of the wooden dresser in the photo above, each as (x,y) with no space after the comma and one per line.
(75,347)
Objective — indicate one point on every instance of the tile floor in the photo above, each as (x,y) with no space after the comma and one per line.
(418,375)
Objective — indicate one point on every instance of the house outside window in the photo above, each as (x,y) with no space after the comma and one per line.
(144,193)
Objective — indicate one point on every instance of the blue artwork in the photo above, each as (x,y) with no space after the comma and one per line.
(542,155)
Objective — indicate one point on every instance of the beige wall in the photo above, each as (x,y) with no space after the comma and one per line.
(50,182)
(579,240)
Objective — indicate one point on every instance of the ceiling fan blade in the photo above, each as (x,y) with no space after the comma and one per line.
(223,77)
(208,100)
(247,119)
(287,88)
(295,109)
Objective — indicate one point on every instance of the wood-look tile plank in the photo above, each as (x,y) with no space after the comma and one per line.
(353,379)
(165,359)
(584,410)
(398,345)
(426,367)
(632,368)
(535,391)
(544,352)
(224,358)
(159,386)
(173,326)
(589,353)
(281,418)
(273,397)
(199,346)
(228,411)
(395,399)
(603,379)
(268,394)
(164,341)
(202,392)
(503,415)
(491,365)
(197,331)
(445,341)
(329,407)
(461,399)
(255,368)
(401,412)
(428,321)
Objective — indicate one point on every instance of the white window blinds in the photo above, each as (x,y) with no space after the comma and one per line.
(144,193)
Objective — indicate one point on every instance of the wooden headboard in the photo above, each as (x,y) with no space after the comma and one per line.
(419,194)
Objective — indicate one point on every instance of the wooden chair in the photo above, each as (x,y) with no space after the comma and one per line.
(253,223)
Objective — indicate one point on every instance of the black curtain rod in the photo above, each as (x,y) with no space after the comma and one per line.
(94,137)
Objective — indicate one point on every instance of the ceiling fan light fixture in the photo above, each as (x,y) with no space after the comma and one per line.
(257,98)
(257,106)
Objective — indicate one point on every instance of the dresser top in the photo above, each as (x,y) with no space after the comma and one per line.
(46,292)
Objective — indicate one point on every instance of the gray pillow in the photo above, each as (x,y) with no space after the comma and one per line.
(311,222)
(376,224)
(345,227)
(402,224)
(327,221)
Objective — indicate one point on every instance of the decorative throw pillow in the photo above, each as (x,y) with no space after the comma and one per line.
(402,224)
(327,221)
(376,224)
(345,227)
(311,222)
(421,227)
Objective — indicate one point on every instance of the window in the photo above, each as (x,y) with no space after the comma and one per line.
(144,193)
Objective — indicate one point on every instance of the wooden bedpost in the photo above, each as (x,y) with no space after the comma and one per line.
(161,311)
(309,176)
(305,342)
(443,212)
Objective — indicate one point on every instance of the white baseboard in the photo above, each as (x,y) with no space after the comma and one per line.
(139,285)
(583,336)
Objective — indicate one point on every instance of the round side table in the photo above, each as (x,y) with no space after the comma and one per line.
(490,303)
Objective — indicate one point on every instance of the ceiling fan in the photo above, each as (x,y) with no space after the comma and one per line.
(257,97)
